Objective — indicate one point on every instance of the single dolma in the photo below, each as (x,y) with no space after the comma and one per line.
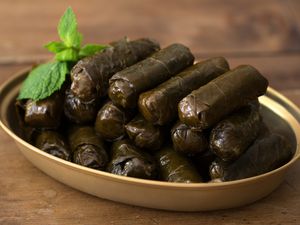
(44,113)
(234,134)
(128,160)
(53,143)
(126,85)
(159,104)
(144,134)
(90,75)
(88,149)
(78,111)
(217,169)
(188,141)
(23,130)
(111,120)
(265,154)
(174,167)
(207,105)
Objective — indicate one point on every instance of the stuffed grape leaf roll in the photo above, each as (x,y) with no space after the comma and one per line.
(44,113)
(144,134)
(126,85)
(233,135)
(188,141)
(111,120)
(207,105)
(88,149)
(78,111)
(174,167)
(128,160)
(90,75)
(159,104)
(23,130)
(217,169)
(267,153)
(53,143)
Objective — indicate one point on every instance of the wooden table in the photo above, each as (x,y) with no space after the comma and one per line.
(265,34)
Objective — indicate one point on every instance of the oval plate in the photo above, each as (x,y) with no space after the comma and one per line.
(279,113)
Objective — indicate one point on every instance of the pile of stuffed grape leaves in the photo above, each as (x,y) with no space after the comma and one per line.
(136,110)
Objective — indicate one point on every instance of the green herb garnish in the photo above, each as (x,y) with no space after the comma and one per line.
(47,78)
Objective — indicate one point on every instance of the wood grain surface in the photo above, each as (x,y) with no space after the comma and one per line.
(265,34)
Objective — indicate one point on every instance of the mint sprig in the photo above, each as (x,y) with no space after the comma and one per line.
(47,78)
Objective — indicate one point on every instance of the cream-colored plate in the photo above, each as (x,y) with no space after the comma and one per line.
(278,112)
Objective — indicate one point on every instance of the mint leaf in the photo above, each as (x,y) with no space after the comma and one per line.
(67,55)
(91,49)
(55,46)
(67,29)
(47,78)
(43,81)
